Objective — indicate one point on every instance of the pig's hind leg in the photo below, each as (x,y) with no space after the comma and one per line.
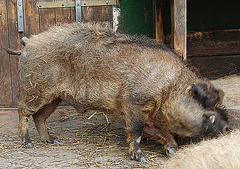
(24,118)
(27,108)
(40,121)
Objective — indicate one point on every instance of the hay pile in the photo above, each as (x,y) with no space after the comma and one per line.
(231,87)
(223,152)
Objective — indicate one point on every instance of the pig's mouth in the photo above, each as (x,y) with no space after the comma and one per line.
(213,131)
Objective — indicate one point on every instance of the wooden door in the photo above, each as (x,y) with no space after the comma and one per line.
(36,19)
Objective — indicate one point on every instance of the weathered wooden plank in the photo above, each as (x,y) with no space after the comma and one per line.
(63,15)
(179,27)
(91,13)
(159,33)
(216,67)
(97,14)
(14,43)
(73,15)
(5,73)
(67,4)
(31,18)
(47,17)
(107,14)
(213,43)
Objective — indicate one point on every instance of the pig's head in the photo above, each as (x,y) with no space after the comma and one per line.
(211,99)
(196,111)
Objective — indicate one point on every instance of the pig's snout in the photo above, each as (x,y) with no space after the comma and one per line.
(214,125)
(225,129)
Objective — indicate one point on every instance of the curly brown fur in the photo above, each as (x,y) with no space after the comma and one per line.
(91,66)
(207,95)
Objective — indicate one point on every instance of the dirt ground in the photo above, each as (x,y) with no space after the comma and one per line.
(86,141)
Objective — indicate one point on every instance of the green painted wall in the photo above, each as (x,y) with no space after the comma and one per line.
(137,16)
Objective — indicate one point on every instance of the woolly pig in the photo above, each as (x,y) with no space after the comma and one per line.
(91,67)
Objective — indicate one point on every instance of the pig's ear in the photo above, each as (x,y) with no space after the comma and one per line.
(208,96)
(212,118)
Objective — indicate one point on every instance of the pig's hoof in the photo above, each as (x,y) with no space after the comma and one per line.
(28,145)
(52,141)
(138,156)
(171,150)
(56,141)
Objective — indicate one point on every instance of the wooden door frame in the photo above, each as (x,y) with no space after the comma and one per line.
(178,25)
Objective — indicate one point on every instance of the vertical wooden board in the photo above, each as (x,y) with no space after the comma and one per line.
(63,15)
(88,13)
(107,14)
(5,77)
(47,17)
(73,15)
(31,19)
(179,26)
(159,32)
(97,14)
(14,43)
(172,22)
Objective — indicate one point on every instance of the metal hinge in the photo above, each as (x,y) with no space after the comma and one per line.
(78,10)
(73,3)
(20,15)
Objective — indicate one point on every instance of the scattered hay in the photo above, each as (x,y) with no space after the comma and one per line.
(223,152)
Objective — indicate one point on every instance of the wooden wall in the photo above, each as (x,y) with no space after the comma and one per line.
(35,20)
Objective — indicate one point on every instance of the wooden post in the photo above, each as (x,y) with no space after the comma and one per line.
(159,33)
(179,27)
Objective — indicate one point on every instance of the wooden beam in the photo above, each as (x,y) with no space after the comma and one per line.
(159,33)
(5,65)
(179,27)
(14,43)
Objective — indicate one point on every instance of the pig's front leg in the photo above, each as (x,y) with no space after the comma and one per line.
(135,121)
(164,137)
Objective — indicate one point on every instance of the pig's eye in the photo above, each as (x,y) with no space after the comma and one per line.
(212,118)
